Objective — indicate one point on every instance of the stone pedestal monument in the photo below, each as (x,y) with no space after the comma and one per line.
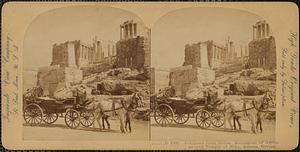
(196,71)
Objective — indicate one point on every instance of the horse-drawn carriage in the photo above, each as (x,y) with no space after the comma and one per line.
(45,109)
(179,110)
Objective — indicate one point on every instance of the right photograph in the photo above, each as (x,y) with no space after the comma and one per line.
(213,76)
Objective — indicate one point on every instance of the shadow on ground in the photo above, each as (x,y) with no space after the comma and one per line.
(79,128)
(196,127)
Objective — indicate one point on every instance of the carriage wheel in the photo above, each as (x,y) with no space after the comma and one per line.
(217,118)
(72,118)
(50,118)
(33,114)
(181,118)
(87,118)
(203,119)
(163,115)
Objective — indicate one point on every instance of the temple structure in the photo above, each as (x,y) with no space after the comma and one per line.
(262,49)
(133,48)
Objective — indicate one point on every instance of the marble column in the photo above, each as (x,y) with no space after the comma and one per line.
(268,30)
(121,32)
(131,29)
(254,32)
(263,30)
(134,29)
(126,30)
(258,32)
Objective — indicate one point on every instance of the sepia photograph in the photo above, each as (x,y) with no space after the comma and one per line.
(86,75)
(149,76)
(219,82)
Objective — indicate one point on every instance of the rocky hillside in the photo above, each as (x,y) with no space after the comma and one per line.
(249,82)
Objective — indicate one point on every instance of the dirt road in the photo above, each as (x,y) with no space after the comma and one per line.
(190,131)
(59,131)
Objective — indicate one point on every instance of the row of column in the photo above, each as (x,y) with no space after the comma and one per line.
(84,52)
(261,30)
(230,51)
(244,50)
(128,61)
(99,51)
(217,52)
(128,30)
(259,61)
(111,50)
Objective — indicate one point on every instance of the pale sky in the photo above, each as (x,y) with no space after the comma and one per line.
(169,34)
(176,29)
(68,24)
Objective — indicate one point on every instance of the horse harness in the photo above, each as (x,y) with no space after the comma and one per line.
(259,109)
(121,107)
(244,110)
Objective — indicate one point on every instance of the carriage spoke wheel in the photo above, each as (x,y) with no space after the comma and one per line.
(33,114)
(163,115)
(87,118)
(181,118)
(72,118)
(50,118)
(217,118)
(203,119)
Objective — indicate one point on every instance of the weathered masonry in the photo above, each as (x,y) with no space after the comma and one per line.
(230,54)
(184,78)
(262,49)
(206,54)
(71,60)
(53,78)
(72,54)
(159,79)
(197,69)
(133,48)
(79,54)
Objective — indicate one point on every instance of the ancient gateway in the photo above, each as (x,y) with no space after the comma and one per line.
(262,49)
(206,60)
(73,60)
(200,60)
(133,48)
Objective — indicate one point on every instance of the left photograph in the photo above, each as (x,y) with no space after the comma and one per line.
(86,75)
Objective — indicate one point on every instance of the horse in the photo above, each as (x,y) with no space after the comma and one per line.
(266,99)
(130,111)
(120,105)
(128,116)
(249,108)
(261,108)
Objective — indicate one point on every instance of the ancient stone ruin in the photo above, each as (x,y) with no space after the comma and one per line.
(133,48)
(262,49)
(72,61)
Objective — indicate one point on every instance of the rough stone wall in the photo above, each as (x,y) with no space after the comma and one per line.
(204,54)
(205,76)
(262,53)
(185,78)
(210,53)
(60,55)
(71,54)
(84,53)
(192,55)
(77,53)
(133,53)
(102,66)
(52,78)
